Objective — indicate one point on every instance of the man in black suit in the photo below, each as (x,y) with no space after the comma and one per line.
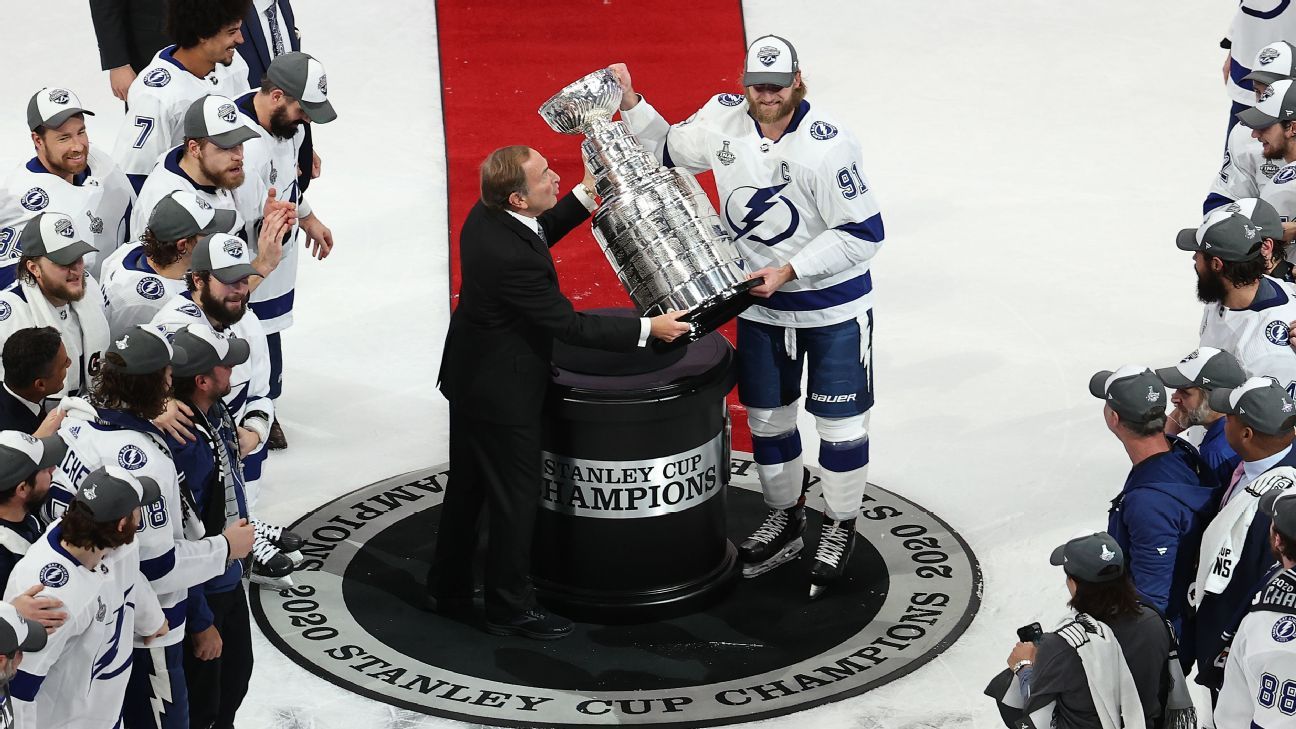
(35,366)
(129,32)
(495,371)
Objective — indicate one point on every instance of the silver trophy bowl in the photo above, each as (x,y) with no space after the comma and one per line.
(656,225)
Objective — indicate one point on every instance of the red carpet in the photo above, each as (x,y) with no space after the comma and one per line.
(501,60)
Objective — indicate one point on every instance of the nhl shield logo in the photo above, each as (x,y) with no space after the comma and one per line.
(233,247)
(59,96)
(767,55)
(63,227)
(724,155)
(1268,56)
(227,112)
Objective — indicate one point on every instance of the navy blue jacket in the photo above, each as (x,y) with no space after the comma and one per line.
(1218,454)
(256,51)
(1158,519)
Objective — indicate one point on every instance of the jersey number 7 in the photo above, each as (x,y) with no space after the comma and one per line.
(145,124)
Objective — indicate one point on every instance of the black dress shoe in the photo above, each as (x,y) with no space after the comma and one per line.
(451,607)
(534,623)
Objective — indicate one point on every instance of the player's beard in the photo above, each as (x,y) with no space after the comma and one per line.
(780,112)
(1199,414)
(63,290)
(65,167)
(1211,287)
(222,178)
(218,310)
(280,126)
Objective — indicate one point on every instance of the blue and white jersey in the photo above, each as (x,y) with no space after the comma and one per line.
(98,200)
(250,381)
(1245,171)
(272,162)
(168,176)
(174,555)
(156,104)
(134,291)
(1256,24)
(1260,673)
(1257,335)
(82,324)
(78,679)
(802,200)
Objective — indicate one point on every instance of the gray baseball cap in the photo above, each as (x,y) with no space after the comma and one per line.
(1276,104)
(1093,557)
(770,60)
(1279,502)
(1233,232)
(51,107)
(21,455)
(182,214)
(18,633)
(54,236)
(1133,391)
(1274,62)
(303,78)
(112,493)
(225,256)
(1260,402)
(205,349)
(1207,368)
(144,349)
(217,118)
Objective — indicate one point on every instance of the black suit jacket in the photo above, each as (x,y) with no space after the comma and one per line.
(495,366)
(129,31)
(15,415)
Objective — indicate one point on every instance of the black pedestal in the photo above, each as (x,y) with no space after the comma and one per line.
(636,464)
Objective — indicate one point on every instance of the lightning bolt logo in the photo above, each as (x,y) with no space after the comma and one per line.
(759,203)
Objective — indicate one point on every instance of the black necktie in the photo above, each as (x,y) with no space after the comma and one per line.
(276,38)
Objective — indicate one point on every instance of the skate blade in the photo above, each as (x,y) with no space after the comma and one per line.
(274,583)
(296,558)
(817,591)
(784,555)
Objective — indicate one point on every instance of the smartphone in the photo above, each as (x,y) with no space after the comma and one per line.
(1030,633)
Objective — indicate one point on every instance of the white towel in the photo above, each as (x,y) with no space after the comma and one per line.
(89,312)
(1223,540)
(1115,695)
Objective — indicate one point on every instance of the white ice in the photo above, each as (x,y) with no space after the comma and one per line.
(1033,160)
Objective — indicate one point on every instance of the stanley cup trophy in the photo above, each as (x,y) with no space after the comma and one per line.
(655,225)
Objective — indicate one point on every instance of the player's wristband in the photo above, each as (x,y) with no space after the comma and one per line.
(258,423)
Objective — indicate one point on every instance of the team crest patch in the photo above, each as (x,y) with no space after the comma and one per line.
(233,247)
(354,615)
(151,288)
(1286,174)
(54,575)
(767,55)
(5,310)
(1284,631)
(96,224)
(1266,95)
(190,309)
(1268,56)
(1277,333)
(227,112)
(823,130)
(157,78)
(730,99)
(59,96)
(131,458)
(323,84)
(63,227)
(35,199)
(1269,168)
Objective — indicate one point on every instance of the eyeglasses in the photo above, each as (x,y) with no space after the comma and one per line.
(767,88)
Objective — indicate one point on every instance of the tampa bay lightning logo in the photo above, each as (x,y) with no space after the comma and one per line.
(150,287)
(1286,174)
(729,99)
(823,130)
(35,199)
(190,310)
(1277,333)
(1284,631)
(5,310)
(131,458)
(233,247)
(54,575)
(157,78)
(63,227)
(761,215)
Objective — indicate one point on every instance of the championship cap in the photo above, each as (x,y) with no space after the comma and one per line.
(1259,402)
(1091,557)
(50,107)
(302,77)
(217,118)
(18,633)
(1277,103)
(53,236)
(204,348)
(1133,391)
(1207,368)
(770,60)
(112,493)
(1233,232)
(182,214)
(1274,62)
(225,256)
(21,455)
(1279,502)
(144,349)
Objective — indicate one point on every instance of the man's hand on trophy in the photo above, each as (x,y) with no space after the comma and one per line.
(628,96)
(774,278)
(667,327)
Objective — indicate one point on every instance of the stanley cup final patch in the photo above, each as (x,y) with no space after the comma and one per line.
(354,616)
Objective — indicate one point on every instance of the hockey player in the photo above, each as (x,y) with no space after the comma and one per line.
(1246,312)
(794,195)
(1261,668)
(1247,166)
(139,278)
(54,290)
(26,466)
(18,636)
(202,62)
(1255,23)
(295,91)
(90,560)
(70,175)
(115,428)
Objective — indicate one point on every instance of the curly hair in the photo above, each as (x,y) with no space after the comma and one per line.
(189,22)
(163,253)
(81,530)
(142,395)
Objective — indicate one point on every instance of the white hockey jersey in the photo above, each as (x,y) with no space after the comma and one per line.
(78,680)
(1245,171)
(1260,674)
(168,176)
(802,200)
(133,290)
(98,200)
(250,381)
(1257,335)
(1256,24)
(82,324)
(272,162)
(174,555)
(156,104)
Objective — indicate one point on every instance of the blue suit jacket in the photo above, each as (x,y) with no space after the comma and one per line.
(255,50)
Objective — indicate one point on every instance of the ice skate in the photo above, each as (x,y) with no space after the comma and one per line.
(287,542)
(836,542)
(270,566)
(775,541)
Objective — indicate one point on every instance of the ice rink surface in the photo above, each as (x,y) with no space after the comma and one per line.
(1033,160)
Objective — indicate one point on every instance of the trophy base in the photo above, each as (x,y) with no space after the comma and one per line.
(712,313)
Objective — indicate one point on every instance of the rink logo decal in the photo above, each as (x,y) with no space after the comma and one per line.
(1277,332)
(932,591)
(35,199)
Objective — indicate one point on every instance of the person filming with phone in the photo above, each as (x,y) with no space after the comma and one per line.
(1110,663)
